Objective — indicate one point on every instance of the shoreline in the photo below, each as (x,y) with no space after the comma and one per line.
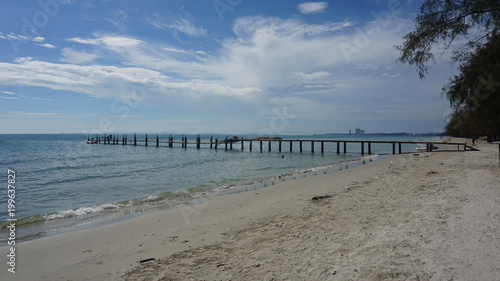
(218,234)
(109,213)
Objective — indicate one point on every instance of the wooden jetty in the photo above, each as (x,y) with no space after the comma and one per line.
(229,142)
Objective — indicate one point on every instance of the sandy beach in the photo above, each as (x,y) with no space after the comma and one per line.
(431,216)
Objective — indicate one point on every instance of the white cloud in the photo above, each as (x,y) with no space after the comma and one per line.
(312,7)
(71,56)
(310,76)
(108,41)
(111,81)
(47,45)
(43,99)
(8,93)
(38,39)
(183,24)
(9,98)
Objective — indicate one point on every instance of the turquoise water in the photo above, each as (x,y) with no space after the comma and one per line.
(62,182)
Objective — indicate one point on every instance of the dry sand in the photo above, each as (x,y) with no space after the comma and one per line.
(435,216)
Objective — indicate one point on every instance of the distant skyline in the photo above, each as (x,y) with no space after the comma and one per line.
(257,67)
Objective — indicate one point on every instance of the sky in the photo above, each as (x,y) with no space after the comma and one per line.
(214,66)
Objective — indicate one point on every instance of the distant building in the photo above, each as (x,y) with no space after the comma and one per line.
(359,131)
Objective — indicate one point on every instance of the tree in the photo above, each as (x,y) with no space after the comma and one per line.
(443,21)
(474,94)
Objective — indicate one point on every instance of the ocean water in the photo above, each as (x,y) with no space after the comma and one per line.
(63,183)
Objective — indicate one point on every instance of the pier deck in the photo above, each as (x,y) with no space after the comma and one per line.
(298,144)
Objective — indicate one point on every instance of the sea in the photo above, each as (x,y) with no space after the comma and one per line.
(63,184)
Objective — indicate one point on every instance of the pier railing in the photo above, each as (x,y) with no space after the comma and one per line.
(294,144)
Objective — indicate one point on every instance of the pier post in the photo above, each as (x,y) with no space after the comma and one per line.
(322,147)
(135,139)
(242,147)
(250,146)
(231,145)
(216,143)
(338,147)
(300,146)
(170,141)
(312,146)
(157,141)
(291,144)
(362,148)
(345,147)
(260,146)
(146,140)
(185,142)
(393,147)
(198,141)
(399,145)
(211,145)
(280,146)
(269,146)
(369,148)
(226,144)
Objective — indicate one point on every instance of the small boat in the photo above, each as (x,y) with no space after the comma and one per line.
(92,142)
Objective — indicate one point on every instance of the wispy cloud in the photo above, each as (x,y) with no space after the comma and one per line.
(118,19)
(181,24)
(72,56)
(109,41)
(312,7)
(47,45)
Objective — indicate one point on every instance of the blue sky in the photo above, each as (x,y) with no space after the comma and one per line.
(214,66)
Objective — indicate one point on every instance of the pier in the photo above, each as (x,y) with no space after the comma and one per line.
(293,145)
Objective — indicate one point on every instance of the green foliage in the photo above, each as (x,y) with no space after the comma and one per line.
(474,94)
(443,21)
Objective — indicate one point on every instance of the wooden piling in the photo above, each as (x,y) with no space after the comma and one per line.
(269,146)
(280,146)
(322,147)
(216,143)
(369,148)
(211,145)
(399,145)
(312,146)
(146,141)
(300,145)
(157,141)
(135,139)
(291,144)
(345,147)
(394,147)
(362,148)
(260,146)
(242,146)
(198,142)
(338,147)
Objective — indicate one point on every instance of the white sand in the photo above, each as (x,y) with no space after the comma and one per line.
(431,217)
